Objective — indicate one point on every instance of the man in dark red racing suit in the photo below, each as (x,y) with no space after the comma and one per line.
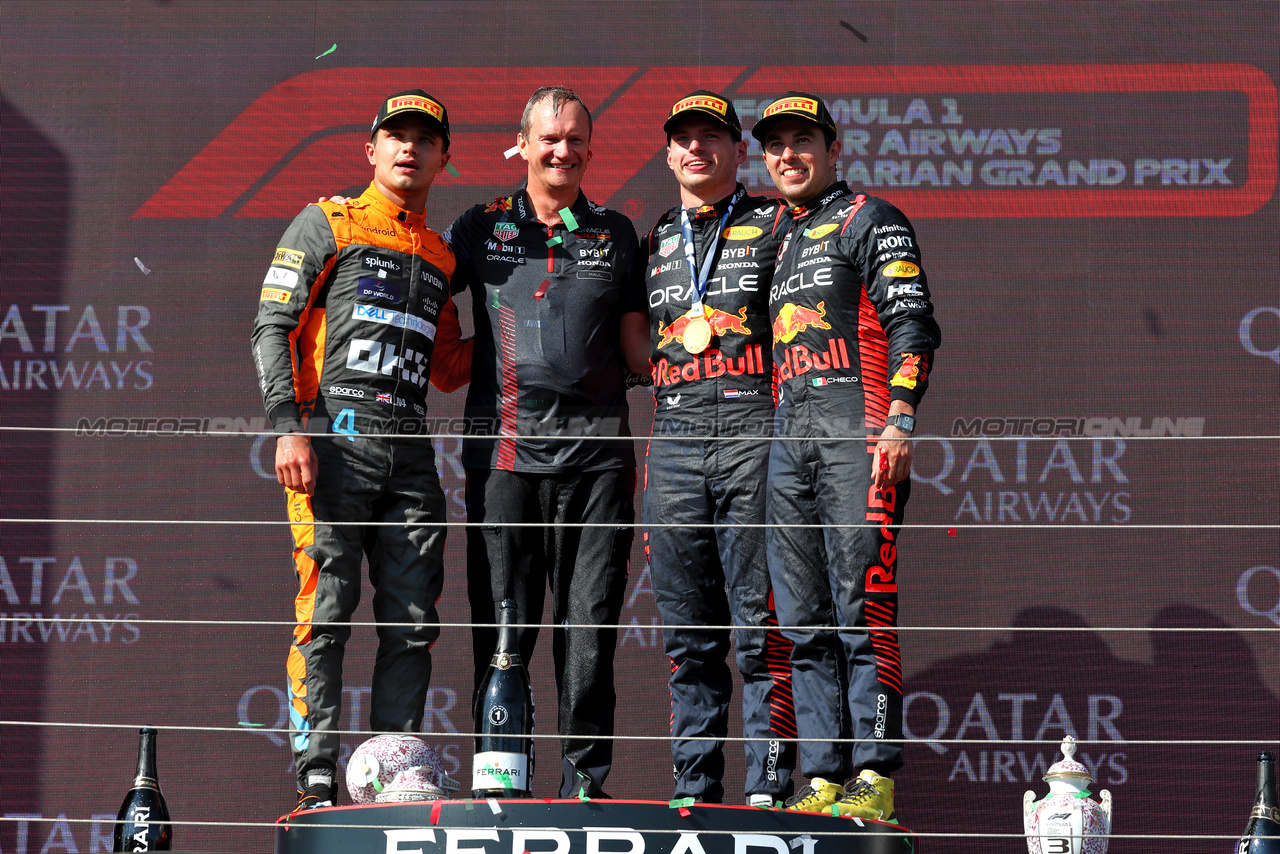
(700,473)
(853,342)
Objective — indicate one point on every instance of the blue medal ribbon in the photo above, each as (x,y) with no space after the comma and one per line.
(700,278)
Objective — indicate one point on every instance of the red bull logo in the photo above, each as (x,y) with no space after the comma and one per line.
(911,372)
(710,364)
(721,322)
(793,319)
(799,360)
(502,204)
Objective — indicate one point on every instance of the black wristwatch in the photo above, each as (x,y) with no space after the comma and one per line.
(905,423)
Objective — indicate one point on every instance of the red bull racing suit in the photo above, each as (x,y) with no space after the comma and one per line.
(548,302)
(853,329)
(710,476)
(345,329)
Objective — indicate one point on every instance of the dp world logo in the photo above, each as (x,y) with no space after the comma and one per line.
(505,231)
(498,715)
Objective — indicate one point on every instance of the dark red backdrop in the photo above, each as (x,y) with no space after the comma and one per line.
(1093,186)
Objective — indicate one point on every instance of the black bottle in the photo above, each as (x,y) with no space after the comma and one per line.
(503,763)
(143,821)
(1262,834)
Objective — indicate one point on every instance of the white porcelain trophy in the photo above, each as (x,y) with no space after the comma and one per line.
(1066,821)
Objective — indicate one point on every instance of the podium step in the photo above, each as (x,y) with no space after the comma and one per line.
(552,826)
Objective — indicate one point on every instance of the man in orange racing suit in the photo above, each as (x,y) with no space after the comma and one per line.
(347,319)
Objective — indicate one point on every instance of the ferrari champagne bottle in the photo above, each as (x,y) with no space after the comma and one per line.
(503,764)
(1262,834)
(143,821)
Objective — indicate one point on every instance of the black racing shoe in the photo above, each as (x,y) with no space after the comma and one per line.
(316,796)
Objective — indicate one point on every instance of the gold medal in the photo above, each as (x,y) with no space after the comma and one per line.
(697,334)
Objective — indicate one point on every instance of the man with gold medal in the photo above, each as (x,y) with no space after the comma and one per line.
(710,267)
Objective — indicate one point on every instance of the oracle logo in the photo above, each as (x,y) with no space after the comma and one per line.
(261,167)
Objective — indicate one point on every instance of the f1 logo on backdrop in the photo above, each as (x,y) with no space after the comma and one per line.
(258,167)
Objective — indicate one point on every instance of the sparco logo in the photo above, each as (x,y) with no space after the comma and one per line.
(343,391)
(771,764)
(882,710)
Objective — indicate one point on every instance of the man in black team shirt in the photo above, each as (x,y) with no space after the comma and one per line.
(559,315)
(853,342)
(710,265)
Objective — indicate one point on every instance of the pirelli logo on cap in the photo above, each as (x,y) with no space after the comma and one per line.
(415,102)
(804,105)
(697,102)
(289,258)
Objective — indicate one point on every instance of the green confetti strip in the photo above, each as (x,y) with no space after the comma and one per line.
(582,792)
(553,241)
(1084,793)
(680,802)
(329,51)
(246,723)
(569,221)
(377,784)
(448,167)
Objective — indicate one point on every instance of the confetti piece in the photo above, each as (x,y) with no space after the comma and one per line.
(850,28)
(141,266)
(569,221)
(685,812)
(859,821)
(542,289)
(242,723)
(678,803)
(951,532)
(1083,793)
(435,813)
(582,792)
(329,51)
(511,152)
(377,784)
(448,167)
(493,806)
(553,241)
(470,804)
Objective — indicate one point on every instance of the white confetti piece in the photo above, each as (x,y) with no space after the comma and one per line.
(511,152)
(143,267)
(493,806)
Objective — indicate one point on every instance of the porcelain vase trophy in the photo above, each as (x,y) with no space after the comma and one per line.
(1066,821)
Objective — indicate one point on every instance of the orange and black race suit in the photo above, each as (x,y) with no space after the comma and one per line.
(853,329)
(701,472)
(348,315)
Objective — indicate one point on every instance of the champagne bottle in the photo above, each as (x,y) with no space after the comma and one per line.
(143,821)
(1262,834)
(503,763)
